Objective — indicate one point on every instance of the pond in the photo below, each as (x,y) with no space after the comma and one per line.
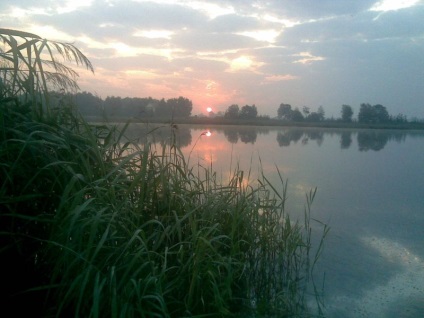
(370,192)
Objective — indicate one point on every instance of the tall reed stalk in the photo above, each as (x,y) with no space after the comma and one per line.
(94,225)
(31,67)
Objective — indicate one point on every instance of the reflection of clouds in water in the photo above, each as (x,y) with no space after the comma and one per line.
(405,285)
(392,251)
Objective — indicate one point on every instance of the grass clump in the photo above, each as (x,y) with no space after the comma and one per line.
(94,225)
(99,226)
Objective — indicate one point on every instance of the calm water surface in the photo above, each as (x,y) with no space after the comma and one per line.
(370,192)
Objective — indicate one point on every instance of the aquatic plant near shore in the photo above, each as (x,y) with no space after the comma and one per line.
(111,229)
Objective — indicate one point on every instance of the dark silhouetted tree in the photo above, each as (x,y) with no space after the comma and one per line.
(381,114)
(180,107)
(297,115)
(365,114)
(88,104)
(162,109)
(347,113)
(113,106)
(232,112)
(373,114)
(284,112)
(248,112)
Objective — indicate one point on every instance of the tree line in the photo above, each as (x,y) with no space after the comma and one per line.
(181,107)
(368,114)
(148,107)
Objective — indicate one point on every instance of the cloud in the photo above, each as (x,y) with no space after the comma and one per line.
(327,52)
(393,5)
(307,57)
(278,78)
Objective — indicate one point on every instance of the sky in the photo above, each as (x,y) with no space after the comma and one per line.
(218,53)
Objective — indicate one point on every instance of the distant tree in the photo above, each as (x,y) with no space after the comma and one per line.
(248,112)
(113,106)
(381,115)
(162,110)
(313,117)
(306,110)
(347,113)
(297,115)
(400,118)
(180,107)
(373,114)
(284,111)
(232,111)
(88,104)
(134,106)
(365,114)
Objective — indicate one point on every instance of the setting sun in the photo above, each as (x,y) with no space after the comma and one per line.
(209,109)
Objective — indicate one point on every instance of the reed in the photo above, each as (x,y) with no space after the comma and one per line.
(97,225)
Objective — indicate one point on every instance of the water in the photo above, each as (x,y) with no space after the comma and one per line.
(370,192)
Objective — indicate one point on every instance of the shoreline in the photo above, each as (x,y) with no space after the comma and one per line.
(258,122)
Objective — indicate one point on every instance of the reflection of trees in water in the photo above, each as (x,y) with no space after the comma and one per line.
(373,140)
(245,134)
(377,140)
(231,135)
(284,138)
(367,140)
(315,135)
(248,136)
(182,135)
(165,134)
(345,139)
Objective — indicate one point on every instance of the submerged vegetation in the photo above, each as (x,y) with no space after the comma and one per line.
(94,225)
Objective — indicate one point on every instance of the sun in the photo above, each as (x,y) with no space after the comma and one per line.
(209,109)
